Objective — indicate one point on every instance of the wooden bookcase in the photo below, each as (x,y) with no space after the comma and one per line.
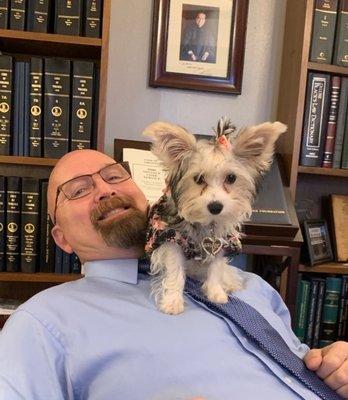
(25,44)
(310,187)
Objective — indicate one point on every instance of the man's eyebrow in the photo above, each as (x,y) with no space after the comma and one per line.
(91,173)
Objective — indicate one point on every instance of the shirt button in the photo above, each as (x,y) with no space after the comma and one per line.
(287,379)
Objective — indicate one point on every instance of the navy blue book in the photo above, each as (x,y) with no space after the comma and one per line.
(38,15)
(26,110)
(58,261)
(6,88)
(65,263)
(18,14)
(2,223)
(18,109)
(4,4)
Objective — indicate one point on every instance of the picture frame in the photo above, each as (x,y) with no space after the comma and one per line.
(210,61)
(317,240)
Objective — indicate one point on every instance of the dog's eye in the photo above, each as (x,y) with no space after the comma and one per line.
(199,179)
(230,178)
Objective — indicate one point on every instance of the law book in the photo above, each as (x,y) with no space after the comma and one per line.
(30,224)
(315,119)
(26,110)
(2,223)
(330,136)
(323,31)
(4,6)
(341,123)
(318,312)
(6,87)
(341,36)
(13,223)
(82,105)
(65,263)
(47,245)
(57,107)
(329,319)
(68,17)
(92,18)
(38,15)
(17,106)
(342,315)
(36,109)
(313,299)
(18,14)
(344,158)
(58,261)
(302,304)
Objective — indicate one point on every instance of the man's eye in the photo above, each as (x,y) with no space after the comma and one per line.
(230,179)
(78,192)
(199,179)
(113,178)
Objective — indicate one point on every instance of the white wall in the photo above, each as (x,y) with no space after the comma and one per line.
(132,104)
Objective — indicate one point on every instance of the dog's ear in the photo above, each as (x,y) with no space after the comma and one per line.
(171,143)
(255,145)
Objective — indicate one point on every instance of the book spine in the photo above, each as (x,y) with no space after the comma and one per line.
(58,262)
(302,304)
(4,14)
(18,15)
(57,107)
(29,224)
(323,31)
(82,105)
(68,17)
(47,246)
(38,15)
(18,109)
(342,308)
(341,123)
(344,159)
(313,298)
(330,311)
(315,119)
(92,18)
(26,108)
(341,37)
(13,220)
(65,263)
(2,223)
(317,322)
(6,87)
(75,265)
(332,123)
(35,103)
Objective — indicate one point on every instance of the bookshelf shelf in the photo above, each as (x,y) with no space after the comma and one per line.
(49,162)
(49,44)
(38,277)
(323,171)
(332,69)
(327,268)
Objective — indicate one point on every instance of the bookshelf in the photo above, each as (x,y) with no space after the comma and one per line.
(309,186)
(22,45)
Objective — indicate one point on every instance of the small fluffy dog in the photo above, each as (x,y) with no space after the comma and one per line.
(195,225)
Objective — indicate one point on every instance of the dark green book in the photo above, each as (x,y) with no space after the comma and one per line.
(82,105)
(6,88)
(47,245)
(92,18)
(344,157)
(2,223)
(30,224)
(341,37)
(38,15)
(18,14)
(323,31)
(329,319)
(4,14)
(302,305)
(341,123)
(68,17)
(13,224)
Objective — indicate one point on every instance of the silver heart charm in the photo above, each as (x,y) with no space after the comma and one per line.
(211,245)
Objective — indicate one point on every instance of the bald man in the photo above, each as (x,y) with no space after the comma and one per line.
(101,337)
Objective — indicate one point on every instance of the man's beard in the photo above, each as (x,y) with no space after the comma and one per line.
(126,231)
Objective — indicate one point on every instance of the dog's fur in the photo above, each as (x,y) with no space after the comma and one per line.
(197,175)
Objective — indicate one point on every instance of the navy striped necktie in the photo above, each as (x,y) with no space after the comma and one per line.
(262,334)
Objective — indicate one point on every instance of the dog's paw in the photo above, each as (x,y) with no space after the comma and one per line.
(172,306)
(215,294)
(232,281)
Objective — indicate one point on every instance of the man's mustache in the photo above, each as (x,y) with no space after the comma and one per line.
(107,205)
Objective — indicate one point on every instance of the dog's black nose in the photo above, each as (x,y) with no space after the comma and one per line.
(215,207)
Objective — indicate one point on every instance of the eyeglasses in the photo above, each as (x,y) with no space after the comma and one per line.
(81,186)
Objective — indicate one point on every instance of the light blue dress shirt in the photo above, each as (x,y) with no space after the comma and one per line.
(102,338)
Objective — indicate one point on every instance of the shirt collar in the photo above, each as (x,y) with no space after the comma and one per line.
(123,270)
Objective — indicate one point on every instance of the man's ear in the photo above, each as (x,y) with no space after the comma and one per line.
(254,146)
(171,143)
(59,238)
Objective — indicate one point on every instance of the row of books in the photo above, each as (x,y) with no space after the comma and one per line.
(325,127)
(65,17)
(321,310)
(329,41)
(48,106)
(26,243)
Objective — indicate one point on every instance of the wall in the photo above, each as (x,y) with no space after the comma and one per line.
(132,104)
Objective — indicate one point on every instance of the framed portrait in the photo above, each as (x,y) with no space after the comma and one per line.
(199,44)
(317,238)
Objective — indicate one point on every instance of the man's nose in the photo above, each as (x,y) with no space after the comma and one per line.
(103,190)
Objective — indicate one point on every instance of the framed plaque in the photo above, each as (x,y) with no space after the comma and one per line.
(318,242)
